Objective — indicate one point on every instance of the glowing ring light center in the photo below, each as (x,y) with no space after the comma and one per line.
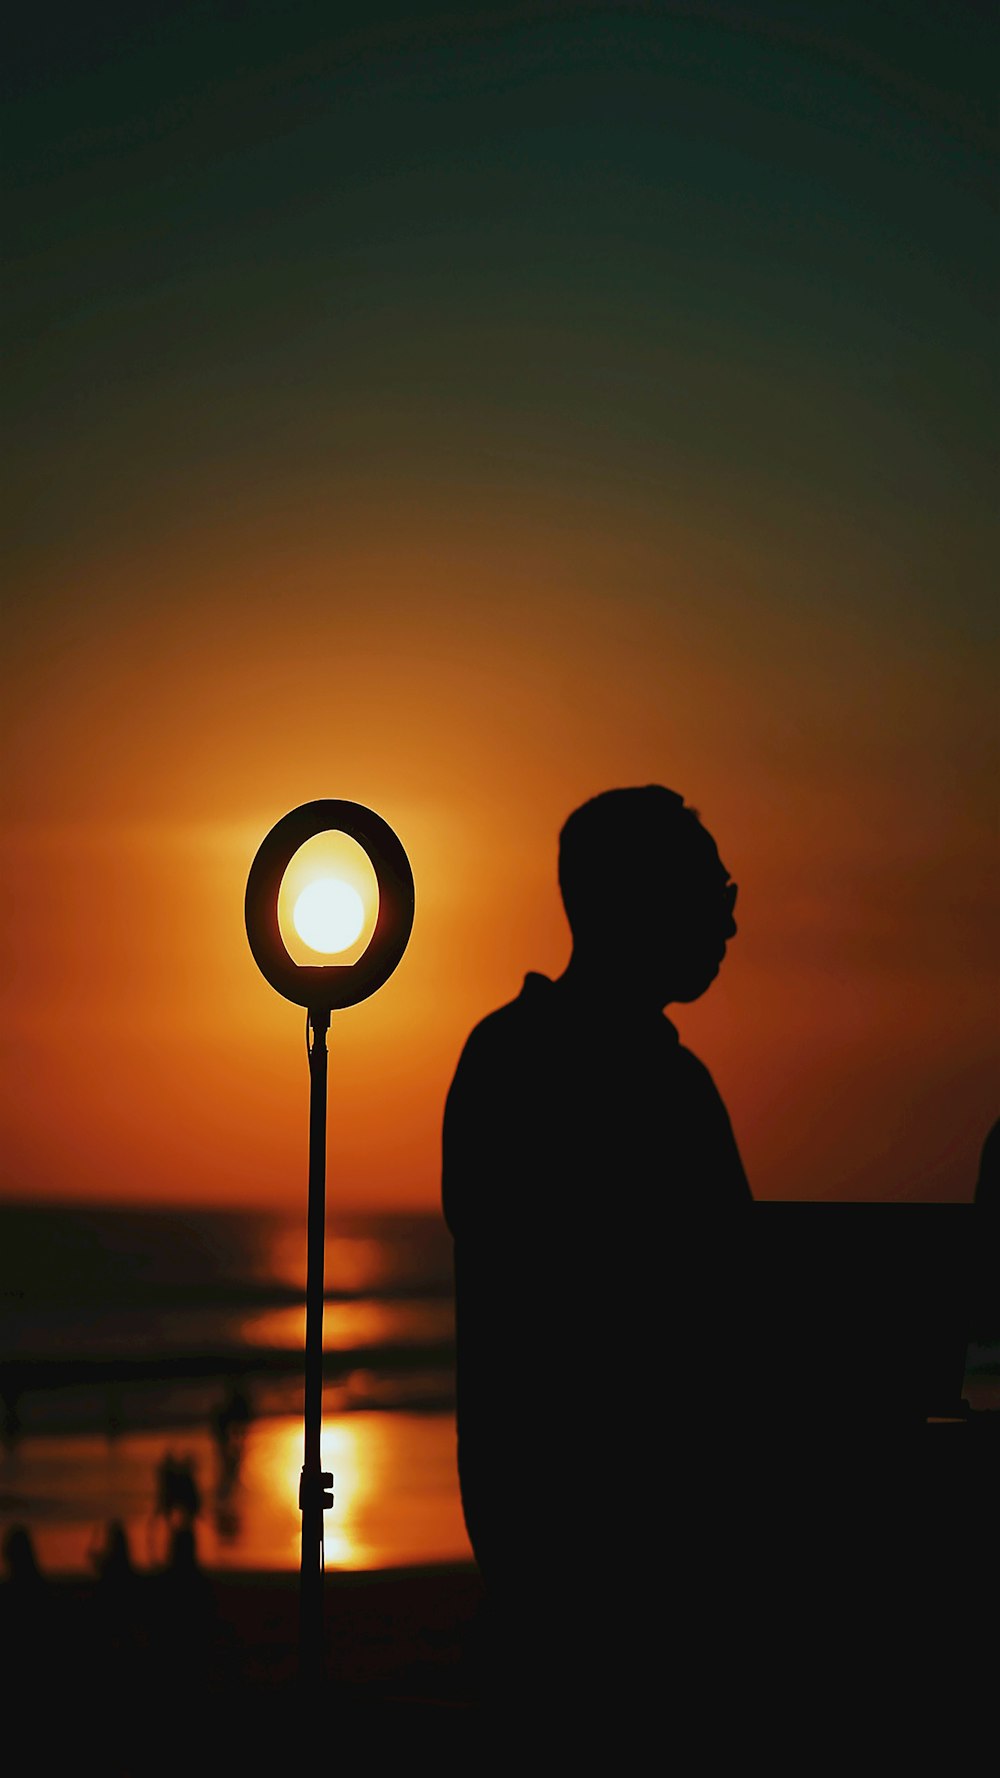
(323,987)
(328,915)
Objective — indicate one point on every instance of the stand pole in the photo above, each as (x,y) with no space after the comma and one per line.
(314,1483)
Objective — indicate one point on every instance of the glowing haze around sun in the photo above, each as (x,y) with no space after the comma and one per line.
(328,915)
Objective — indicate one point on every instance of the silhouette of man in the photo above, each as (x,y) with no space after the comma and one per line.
(589,1173)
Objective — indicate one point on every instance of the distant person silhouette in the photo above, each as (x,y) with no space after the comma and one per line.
(20,1560)
(590,1181)
(178,1497)
(230,1420)
(25,1629)
(111,1559)
(118,1639)
(177,1503)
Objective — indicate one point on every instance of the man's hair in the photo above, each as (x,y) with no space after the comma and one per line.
(647,830)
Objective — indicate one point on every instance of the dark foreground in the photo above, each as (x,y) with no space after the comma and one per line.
(156,1676)
(846,1609)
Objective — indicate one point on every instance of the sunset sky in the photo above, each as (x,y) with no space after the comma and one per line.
(462,412)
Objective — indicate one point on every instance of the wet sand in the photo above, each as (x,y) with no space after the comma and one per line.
(192,1678)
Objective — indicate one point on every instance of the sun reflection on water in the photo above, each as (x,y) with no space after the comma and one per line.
(396,1498)
(275,1472)
(394,1485)
(347,1325)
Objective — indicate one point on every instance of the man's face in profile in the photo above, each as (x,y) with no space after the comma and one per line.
(678,916)
(686,921)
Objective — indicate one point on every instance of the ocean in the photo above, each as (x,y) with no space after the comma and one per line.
(136,1340)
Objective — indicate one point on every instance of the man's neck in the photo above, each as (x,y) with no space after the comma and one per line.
(597,982)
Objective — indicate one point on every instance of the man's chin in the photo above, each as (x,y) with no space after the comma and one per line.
(696,984)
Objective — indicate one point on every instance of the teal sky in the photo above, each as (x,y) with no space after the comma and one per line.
(737,257)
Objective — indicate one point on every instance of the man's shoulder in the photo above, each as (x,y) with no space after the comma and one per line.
(513,1022)
(696,1083)
(694,1070)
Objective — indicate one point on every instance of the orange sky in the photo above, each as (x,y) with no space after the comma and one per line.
(851,1032)
(462,422)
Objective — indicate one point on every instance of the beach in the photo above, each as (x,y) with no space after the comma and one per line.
(147,1351)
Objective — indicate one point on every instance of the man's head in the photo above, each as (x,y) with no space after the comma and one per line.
(649,903)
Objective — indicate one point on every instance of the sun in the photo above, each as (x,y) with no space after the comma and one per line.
(329,915)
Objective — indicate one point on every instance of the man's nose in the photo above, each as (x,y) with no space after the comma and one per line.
(731,891)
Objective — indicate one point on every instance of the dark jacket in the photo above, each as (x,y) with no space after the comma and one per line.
(590,1173)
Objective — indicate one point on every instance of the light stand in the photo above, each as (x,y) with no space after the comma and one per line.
(319,988)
